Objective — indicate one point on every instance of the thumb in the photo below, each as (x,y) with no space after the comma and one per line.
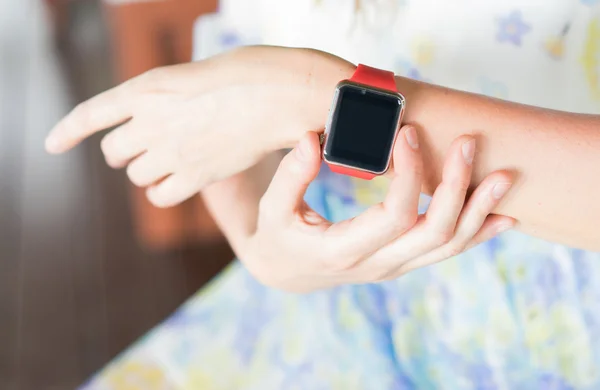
(296,171)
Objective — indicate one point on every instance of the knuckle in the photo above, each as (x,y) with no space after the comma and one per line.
(336,263)
(113,155)
(455,249)
(442,237)
(378,276)
(459,183)
(404,222)
(395,219)
(417,169)
(404,269)
(134,175)
(157,199)
(116,145)
(105,144)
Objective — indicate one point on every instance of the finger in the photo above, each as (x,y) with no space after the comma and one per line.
(151,167)
(296,171)
(475,223)
(482,203)
(384,222)
(494,225)
(122,144)
(437,226)
(449,197)
(100,112)
(174,189)
(402,199)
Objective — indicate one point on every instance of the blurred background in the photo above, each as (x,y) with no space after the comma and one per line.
(86,264)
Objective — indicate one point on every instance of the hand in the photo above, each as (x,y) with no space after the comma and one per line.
(295,249)
(183,127)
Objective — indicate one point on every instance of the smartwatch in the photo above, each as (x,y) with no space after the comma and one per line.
(363,123)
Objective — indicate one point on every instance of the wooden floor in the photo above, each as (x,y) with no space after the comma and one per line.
(75,288)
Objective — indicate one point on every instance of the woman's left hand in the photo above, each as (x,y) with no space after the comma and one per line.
(185,126)
(293,248)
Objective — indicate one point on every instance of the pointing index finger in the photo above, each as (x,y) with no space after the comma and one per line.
(105,110)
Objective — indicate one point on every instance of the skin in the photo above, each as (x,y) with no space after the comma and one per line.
(553,155)
(179,134)
(286,245)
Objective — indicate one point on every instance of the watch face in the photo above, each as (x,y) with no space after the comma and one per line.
(362,127)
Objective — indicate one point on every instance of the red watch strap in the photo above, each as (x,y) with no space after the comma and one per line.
(351,172)
(374,77)
(371,77)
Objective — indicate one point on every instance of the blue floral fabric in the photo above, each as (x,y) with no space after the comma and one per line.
(513,313)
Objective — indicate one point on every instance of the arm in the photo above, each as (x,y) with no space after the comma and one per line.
(555,157)
(179,120)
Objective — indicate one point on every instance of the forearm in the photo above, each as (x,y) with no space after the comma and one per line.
(233,202)
(555,157)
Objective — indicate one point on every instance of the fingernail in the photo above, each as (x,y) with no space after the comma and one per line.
(500,190)
(411,137)
(303,150)
(468,151)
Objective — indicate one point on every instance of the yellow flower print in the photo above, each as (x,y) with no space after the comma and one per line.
(555,45)
(589,60)
(573,352)
(208,374)
(423,51)
(371,192)
(134,375)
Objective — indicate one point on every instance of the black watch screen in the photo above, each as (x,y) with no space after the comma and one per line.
(362,128)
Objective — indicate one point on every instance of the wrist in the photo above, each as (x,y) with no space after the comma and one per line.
(415,93)
(316,76)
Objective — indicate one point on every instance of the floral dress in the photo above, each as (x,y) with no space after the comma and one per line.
(513,313)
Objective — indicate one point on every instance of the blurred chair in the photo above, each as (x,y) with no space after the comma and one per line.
(146,34)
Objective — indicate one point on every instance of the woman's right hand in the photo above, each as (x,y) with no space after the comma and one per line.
(295,249)
(185,126)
